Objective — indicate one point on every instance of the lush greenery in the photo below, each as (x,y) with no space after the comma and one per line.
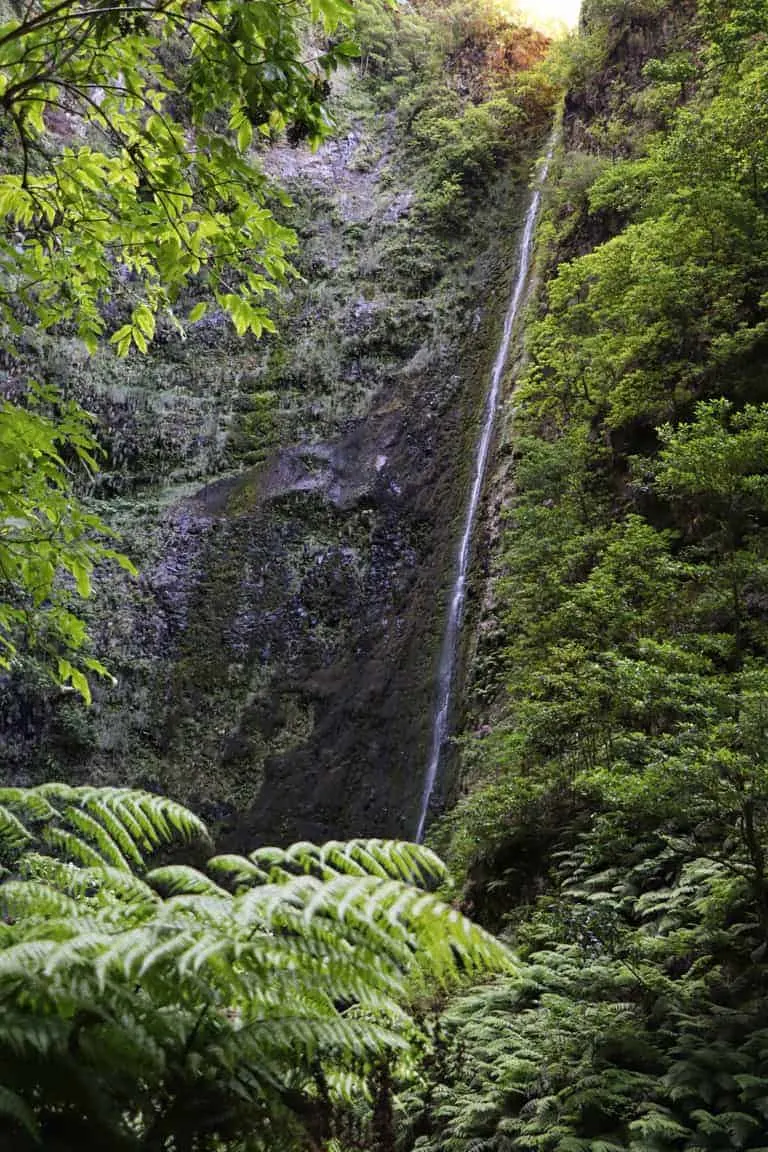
(176,1009)
(616,813)
(468,94)
(389,328)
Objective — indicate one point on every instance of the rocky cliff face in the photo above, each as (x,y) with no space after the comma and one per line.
(292,505)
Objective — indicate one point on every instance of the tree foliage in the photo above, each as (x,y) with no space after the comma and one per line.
(177,1008)
(154,108)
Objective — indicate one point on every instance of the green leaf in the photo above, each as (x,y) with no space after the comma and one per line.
(347,48)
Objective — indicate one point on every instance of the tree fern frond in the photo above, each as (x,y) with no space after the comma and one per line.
(385,859)
(116,826)
(161,819)
(98,836)
(25,1034)
(20,960)
(238,869)
(179,879)
(127,1046)
(13,834)
(56,791)
(104,809)
(125,886)
(347,1087)
(309,961)
(203,950)
(29,898)
(71,847)
(84,949)
(157,952)
(355,1040)
(29,803)
(60,874)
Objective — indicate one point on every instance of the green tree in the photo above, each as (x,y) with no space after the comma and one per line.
(130,181)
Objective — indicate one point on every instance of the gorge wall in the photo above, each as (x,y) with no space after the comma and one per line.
(293,504)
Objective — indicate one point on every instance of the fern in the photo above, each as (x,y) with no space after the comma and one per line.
(130,994)
(92,826)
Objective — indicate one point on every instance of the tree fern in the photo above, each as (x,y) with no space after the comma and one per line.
(180,1000)
(92,826)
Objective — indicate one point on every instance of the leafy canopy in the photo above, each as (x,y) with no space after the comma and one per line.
(129,191)
(619,815)
(133,125)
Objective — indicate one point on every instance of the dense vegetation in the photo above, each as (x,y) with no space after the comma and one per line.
(132,195)
(264,1003)
(617,805)
(147,188)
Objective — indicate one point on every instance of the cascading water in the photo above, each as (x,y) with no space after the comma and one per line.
(459,592)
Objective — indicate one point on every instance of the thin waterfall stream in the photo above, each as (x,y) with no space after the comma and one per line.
(447,668)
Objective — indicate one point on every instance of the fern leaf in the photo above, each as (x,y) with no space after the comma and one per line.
(30,803)
(24,898)
(238,869)
(103,808)
(73,848)
(385,859)
(102,842)
(181,879)
(13,835)
(20,960)
(162,819)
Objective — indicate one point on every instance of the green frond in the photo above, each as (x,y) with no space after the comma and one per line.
(126,887)
(162,820)
(27,898)
(13,835)
(126,1045)
(385,859)
(91,826)
(308,962)
(71,847)
(107,813)
(155,952)
(239,870)
(355,1040)
(28,803)
(203,909)
(25,1034)
(347,1087)
(85,949)
(60,874)
(95,834)
(56,791)
(179,879)
(19,961)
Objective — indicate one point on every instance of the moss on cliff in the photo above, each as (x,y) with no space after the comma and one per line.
(275,660)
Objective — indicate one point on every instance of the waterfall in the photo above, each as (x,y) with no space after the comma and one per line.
(448,655)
